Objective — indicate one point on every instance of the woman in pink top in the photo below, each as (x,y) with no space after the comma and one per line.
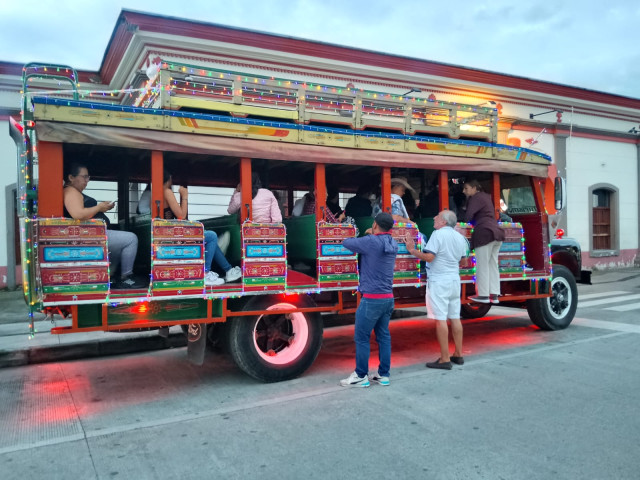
(264,206)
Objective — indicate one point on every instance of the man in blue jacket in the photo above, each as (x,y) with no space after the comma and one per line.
(377,262)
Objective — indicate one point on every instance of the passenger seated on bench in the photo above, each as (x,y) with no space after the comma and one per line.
(333,201)
(309,208)
(122,245)
(429,202)
(399,186)
(144,204)
(212,251)
(359,205)
(264,206)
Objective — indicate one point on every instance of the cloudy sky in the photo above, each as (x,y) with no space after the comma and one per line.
(592,44)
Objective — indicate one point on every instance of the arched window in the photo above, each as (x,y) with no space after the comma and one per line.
(603,200)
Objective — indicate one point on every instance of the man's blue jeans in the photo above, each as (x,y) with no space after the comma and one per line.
(373,314)
(212,252)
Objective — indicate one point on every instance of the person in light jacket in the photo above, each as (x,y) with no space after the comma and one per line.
(264,206)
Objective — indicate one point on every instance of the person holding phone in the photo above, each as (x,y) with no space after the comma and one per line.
(122,245)
(212,252)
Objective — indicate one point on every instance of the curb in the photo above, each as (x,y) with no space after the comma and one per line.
(90,349)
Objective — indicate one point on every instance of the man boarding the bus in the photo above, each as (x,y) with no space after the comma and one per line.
(443,251)
(377,261)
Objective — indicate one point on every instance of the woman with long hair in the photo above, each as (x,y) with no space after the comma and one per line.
(264,205)
(212,252)
(122,245)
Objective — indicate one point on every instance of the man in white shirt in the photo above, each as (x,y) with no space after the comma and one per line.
(443,251)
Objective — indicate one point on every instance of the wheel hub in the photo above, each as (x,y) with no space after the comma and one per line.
(560,300)
(274,333)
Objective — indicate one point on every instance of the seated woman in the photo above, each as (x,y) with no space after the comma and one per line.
(333,201)
(144,203)
(264,205)
(212,251)
(122,245)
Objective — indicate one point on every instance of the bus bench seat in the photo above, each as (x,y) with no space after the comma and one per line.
(301,238)
(227,223)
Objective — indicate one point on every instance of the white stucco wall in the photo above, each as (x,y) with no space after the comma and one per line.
(8,157)
(591,162)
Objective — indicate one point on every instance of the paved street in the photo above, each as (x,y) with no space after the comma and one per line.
(526,404)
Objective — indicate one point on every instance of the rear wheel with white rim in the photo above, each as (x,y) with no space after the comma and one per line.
(274,345)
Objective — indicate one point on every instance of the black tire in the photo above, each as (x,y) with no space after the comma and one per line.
(277,347)
(474,310)
(556,312)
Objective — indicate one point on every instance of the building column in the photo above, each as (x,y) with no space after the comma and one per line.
(560,160)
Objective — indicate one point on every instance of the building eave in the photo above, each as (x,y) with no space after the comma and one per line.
(131,21)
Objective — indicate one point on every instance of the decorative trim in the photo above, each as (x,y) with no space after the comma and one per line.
(239,36)
(337,75)
(612,137)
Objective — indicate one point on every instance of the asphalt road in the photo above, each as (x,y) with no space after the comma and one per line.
(527,404)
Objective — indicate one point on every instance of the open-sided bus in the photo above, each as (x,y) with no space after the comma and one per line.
(212,129)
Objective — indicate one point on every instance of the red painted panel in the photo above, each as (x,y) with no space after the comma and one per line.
(50,199)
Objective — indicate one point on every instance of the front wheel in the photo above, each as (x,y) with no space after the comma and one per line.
(556,312)
(275,346)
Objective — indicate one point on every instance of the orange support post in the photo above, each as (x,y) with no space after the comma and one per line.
(50,164)
(549,191)
(443,187)
(246,212)
(536,186)
(320,191)
(496,194)
(157,175)
(385,189)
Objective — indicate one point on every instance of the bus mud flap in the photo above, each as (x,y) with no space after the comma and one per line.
(197,341)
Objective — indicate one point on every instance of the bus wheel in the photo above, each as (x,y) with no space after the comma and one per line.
(474,310)
(556,312)
(275,346)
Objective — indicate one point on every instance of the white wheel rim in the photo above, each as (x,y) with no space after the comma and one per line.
(297,329)
(560,303)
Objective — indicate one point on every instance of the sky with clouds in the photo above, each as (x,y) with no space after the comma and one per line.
(588,43)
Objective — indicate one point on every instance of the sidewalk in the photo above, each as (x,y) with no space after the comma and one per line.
(16,348)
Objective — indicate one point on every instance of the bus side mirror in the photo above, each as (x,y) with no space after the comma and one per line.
(559,192)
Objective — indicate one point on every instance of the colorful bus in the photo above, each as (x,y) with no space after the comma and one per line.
(212,129)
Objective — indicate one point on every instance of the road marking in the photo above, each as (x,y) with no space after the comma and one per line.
(624,308)
(605,301)
(618,327)
(598,295)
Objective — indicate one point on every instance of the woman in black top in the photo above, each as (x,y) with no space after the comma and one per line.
(122,245)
